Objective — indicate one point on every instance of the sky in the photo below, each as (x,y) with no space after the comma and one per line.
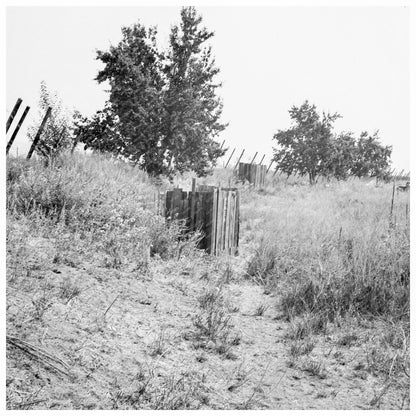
(349,60)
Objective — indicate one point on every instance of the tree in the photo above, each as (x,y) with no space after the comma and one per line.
(310,147)
(343,155)
(371,157)
(163,112)
(305,148)
(56,135)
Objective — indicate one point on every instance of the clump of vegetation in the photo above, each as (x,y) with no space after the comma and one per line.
(171,392)
(336,253)
(106,203)
(214,324)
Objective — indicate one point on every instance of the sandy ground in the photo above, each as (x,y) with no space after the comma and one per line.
(119,330)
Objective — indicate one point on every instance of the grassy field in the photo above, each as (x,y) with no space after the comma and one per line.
(110,308)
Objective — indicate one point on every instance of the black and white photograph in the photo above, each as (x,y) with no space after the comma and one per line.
(207,206)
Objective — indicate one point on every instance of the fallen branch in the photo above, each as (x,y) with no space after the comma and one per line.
(39,354)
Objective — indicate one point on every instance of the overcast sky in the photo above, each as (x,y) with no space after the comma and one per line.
(350,60)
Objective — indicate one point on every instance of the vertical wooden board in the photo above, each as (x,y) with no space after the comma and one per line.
(214,222)
(231,217)
(234,220)
(220,213)
(175,203)
(229,198)
(237,233)
(209,218)
(204,219)
(168,204)
(225,235)
(185,211)
(199,217)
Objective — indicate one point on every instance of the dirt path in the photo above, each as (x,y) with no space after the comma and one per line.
(121,330)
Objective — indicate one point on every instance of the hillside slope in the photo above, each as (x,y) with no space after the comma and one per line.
(94,322)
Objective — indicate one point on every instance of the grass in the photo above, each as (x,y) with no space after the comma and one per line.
(333,252)
(84,237)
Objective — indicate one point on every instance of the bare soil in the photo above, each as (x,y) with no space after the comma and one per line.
(127,339)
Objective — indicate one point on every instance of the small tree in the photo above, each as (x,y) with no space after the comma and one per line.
(56,135)
(306,147)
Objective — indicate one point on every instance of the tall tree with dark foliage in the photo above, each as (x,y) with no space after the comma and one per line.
(163,112)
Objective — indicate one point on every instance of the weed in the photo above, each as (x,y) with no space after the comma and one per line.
(69,290)
(260,310)
(158,346)
(299,348)
(315,368)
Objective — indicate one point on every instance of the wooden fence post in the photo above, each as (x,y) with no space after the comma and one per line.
(238,161)
(228,161)
(191,222)
(222,144)
(58,140)
(36,139)
(262,159)
(13,113)
(16,130)
(270,165)
(253,159)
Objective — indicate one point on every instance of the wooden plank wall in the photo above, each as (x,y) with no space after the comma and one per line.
(213,210)
(254,174)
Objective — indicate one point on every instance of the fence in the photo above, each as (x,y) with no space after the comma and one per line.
(214,211)
(255,174)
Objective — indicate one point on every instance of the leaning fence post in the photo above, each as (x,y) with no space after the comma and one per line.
(228,161)
(392,201)
(275,171)
(13,114)
(238,161)
(253,159)
(58,140)
(262,159)
(270,165)
(36,139)
(16,130)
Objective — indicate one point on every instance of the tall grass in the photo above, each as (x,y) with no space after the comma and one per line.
(104,202)
(332,250)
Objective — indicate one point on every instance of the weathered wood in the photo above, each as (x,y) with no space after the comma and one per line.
(228,161)
(16,130)
(213,211)
(238,161)
(38,134)
(13,114)
(254,174)
(253,158)
(59,138)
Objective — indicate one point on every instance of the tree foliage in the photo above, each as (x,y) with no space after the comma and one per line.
(310,147)
(163,112)
(57,134)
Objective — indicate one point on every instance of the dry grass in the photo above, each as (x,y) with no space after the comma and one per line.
(89,262)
